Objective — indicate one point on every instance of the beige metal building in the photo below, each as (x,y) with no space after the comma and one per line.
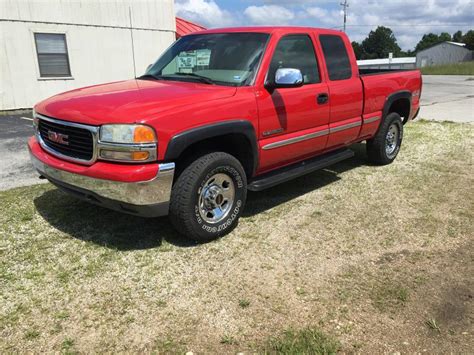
(443,53)
(51,46)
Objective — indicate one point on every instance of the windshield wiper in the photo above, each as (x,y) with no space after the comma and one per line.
(201,78)
(149,76)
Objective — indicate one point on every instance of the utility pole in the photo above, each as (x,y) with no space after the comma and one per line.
(345,5)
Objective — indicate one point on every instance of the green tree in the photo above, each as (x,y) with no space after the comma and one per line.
(428,40)
(457,36)
(468,38)
(444,36)
(358,50)
(380,43)
(408,53)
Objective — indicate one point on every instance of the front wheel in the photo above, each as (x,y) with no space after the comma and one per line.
(209,197)
(384,147)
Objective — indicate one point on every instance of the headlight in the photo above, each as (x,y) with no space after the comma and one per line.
(125,133)
(127,143)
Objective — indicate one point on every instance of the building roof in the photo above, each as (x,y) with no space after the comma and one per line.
(184,27)
(404,60)
(457,43)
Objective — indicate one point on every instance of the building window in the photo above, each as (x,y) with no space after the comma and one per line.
(53,60)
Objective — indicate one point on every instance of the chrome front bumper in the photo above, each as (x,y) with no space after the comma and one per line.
(148,198)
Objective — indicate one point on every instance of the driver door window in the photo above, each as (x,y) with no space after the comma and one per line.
(297,52)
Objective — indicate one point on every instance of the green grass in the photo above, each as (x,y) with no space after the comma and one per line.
(389,296)
(304,341)
(466,68)
(228,339)
(433,325)
(353,250)
(67,345)
(243,303)
(32,334)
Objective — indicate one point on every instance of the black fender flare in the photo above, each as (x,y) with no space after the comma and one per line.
(403,94)
(183,140)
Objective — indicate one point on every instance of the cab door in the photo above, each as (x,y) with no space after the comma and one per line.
(345,91)
(293,122)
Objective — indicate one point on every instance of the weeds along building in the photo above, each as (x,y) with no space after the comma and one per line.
(53,46)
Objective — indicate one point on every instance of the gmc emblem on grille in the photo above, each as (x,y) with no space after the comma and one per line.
(58,137)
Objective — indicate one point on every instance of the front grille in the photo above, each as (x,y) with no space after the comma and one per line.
(80,141)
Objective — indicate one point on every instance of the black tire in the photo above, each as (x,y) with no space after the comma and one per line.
(377,150)
(189,190)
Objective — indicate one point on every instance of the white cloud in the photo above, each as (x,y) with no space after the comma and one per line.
(409,19)
(324,17)
(269,15)
(204,12)
(317,12)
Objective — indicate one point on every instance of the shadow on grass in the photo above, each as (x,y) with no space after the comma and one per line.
(258,202)
(95,224)
(124,232)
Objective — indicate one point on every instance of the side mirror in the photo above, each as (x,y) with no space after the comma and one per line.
(288,78)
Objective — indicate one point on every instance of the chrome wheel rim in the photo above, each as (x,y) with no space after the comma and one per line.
(216,198)
(391,140)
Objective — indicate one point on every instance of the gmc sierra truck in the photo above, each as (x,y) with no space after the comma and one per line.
(221,112)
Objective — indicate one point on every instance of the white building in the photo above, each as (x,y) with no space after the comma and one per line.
(443,53)
(388,63)
(51,46)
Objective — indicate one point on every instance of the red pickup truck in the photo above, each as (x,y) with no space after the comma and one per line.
(219,113)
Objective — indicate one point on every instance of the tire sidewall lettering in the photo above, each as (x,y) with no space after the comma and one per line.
(238,203)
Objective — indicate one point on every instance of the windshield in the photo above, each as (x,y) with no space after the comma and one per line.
(217,58)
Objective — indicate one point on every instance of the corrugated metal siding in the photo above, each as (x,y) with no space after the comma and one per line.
(151,14)
(98,37)
(443,53)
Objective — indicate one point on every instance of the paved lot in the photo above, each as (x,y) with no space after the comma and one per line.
(15,168)
(448,98)
(444,97)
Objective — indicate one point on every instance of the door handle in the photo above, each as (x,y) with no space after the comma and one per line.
(323,98)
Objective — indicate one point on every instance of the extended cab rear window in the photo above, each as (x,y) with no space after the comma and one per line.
(337,60)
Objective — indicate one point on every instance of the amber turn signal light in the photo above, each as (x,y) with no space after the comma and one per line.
(140,155)
(143,134)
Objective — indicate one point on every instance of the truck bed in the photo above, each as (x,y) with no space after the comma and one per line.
(380,83)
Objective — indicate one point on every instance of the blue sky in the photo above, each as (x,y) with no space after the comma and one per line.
(409,19)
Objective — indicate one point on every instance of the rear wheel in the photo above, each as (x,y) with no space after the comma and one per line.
(209,197)
(384,147)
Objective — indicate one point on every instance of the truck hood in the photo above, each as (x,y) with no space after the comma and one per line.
(128,101)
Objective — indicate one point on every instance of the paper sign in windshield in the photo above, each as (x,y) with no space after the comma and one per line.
(186,62)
